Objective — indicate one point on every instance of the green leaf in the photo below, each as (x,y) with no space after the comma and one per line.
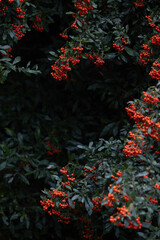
(16,60)
(4,47)
(68,13)
(20,138)
(10,132)
(117,232)
(142,174)
(141,234)
(51,166)
(11,180)
(71,203)
(5,220)
(130,51)
(3,165)
(79,23)
(75,197)
(13,217)
(88,207)
(24,179)
(11,34)
(53,54)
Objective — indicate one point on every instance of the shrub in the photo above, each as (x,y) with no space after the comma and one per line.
(107,56)
(107,191)
(117,196)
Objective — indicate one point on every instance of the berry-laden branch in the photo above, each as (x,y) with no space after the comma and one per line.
(71,56)
(112,186)
(109,188)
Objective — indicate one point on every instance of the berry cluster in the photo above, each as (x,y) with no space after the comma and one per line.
(37,25)
(131,149)
(118,47)
(155,72)
(53,210)
(97,204)
(74,25)
(20,12)
(144,56)
(18,29)
(150,99)
(89,172)
(153,25)
(97,60)
(68,179)
(124,41)
(65,36)
(72,55)
(83,7)
(156,39)
(143,124)
(52,150)
(139,3)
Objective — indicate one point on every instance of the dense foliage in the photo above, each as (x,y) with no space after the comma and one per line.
(106,190)
(68,69)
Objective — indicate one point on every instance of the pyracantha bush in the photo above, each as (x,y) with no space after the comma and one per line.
(104,31)
(110,187)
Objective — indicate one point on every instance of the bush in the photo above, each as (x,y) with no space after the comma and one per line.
(56,101)
(107,191)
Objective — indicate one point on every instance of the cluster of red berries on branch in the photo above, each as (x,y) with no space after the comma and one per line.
(37,25)
(139,3)
(156,39)
(18,29)
(145,124)
(144,56)
(63,35)
(61,67)
(97,60)
(68,178)
(118,47)
(52,150)
(89,172)
(124,41)
(72,55)
(151,24)
(20,13)
(155,72)
(122,212)
(50,206)
(83,7)
(131,149)
(150,99)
